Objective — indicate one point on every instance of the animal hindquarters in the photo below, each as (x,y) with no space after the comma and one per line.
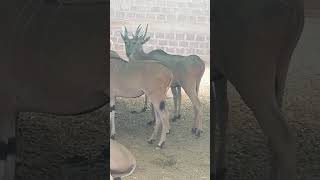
(157,97)
(122,162)
(190,80)
(162,118)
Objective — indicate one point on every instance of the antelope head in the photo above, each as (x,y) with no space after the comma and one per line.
(134,44)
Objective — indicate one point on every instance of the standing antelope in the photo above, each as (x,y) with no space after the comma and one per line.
(253,42)
(187,71)
(133,79)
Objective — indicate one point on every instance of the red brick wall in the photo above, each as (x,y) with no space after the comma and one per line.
(176,26)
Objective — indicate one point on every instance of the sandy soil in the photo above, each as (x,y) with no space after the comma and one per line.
(183,157)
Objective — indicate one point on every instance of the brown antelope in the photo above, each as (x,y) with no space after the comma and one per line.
(122,162)
(253,41)
(46,66)
(187,72)
(133,79)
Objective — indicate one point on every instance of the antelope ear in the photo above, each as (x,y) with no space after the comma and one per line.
(146,40)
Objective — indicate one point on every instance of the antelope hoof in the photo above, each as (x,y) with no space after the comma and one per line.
(198,132)
(150,141)
(193,130)
(220,174)
(143,110)
(134,112)
(160,145)
(168,132)
(150,123)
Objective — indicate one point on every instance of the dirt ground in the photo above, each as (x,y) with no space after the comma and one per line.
(62,147)
(184,156)
(48,143)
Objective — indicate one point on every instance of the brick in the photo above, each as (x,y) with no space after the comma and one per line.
(169,50)
(161,17)
(163,42)
(190,37)
(161,3)
(187,11)
(139,1)
(192,19)
(130,15)
(196,12)
(182,18)
(180,51)
(180,36)
(173,43)
(120,14)
(171,18)
(194,44)
(140,16)
(151,16)
(159,35)
(201,19)
(172,4)
(200,37)
(189,51)
(165,10)
(170,36)
(183,44)
(204,45)
(155,9)
(182,5)
(200,52)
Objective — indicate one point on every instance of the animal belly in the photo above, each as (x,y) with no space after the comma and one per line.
(128,93)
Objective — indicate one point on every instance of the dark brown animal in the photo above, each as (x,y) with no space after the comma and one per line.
(253,41)
(52,61)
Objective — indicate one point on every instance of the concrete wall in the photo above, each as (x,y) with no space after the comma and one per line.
(176,26)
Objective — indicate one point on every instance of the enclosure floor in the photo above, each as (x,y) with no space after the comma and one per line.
(46,141)
(184,156)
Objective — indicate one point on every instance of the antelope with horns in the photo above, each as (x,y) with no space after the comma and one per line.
(253,42)
(133,79)
(187,72)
